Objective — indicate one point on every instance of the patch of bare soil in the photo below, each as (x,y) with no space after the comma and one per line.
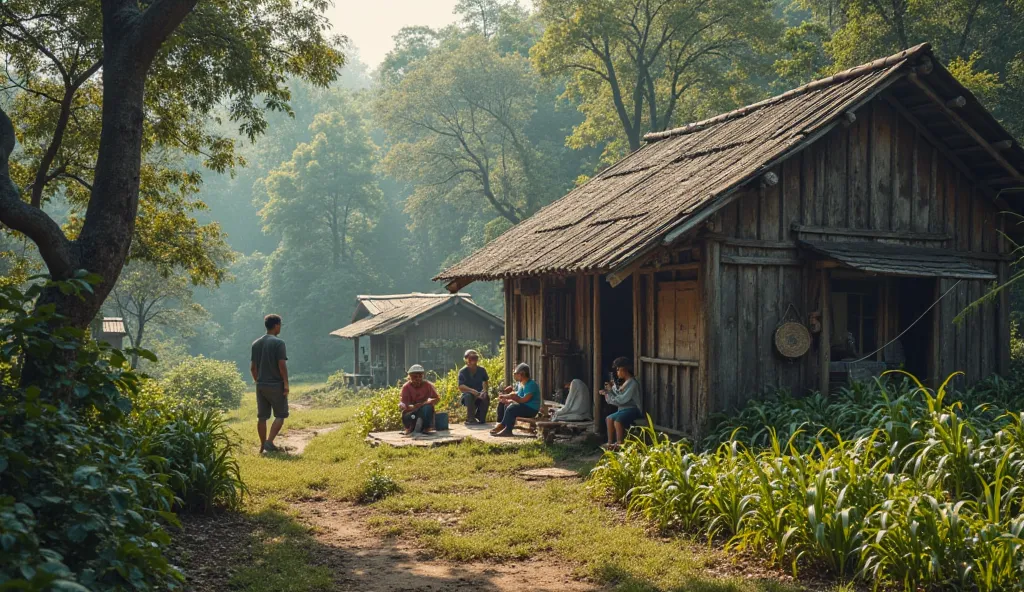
(206,546)
(366,562)
(295,441)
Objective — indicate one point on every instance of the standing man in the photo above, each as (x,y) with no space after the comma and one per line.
(417,401)
(473,383)
(270,372)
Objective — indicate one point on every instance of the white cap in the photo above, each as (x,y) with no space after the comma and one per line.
(416,369)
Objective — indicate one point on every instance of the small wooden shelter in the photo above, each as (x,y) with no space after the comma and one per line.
(110,330)
(837,228)
(429,329)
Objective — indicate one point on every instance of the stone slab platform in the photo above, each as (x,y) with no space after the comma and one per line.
(456,433)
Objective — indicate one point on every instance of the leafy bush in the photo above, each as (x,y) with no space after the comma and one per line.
(211,383)
(194,445)
(892,484)
(377,484)
(76,509)
(380,412)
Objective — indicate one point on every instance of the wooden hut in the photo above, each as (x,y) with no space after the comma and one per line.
(110,330)
(839,212)
(429,329)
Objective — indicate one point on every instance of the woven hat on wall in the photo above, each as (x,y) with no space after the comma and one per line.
(792,338)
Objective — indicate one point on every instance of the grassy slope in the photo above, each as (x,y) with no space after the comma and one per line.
(497,516)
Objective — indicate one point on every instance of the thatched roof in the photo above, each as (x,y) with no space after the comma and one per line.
(664,189)
(386,313)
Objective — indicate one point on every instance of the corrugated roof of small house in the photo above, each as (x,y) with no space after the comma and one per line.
(389,312)
(666,186)
(113,325)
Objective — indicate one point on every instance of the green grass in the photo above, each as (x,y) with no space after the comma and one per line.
(278,555)
(465,502)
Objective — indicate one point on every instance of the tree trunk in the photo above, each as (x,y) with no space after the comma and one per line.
(131,40)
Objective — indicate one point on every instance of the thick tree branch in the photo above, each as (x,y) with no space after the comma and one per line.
(158,22)
(55,248)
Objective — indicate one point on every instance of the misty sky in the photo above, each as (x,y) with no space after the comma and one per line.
(370,24)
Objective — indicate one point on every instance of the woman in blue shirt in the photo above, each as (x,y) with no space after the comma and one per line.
(525,402)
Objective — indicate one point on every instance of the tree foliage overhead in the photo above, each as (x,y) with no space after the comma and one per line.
(980,41)
(636,64)
(457,123)
(238,54)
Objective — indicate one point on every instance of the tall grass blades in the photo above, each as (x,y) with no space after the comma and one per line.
(890,483)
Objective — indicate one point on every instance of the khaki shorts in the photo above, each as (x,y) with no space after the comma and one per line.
(271,398)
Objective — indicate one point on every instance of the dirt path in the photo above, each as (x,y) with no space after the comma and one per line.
(364,561)
(295,441)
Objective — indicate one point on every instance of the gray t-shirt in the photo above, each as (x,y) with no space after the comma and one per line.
(267,351)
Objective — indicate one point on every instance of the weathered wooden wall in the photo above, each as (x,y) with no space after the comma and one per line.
(453,325)
(880,179)
(669,344)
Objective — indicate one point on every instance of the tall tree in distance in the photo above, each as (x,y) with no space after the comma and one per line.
(456,124)
(635,62)
(147,299)
(328,186)
(157,79)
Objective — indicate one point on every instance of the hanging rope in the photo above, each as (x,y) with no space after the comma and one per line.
(894,339)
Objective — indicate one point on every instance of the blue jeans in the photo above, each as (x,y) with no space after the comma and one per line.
(476,408)
(626,416)
(426,412)
(514,411)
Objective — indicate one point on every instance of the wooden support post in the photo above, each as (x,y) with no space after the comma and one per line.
(637,333)
(598,383)
(387,359)
(825,339)
(355,348)
(709,329)
(510,323)
(1003,306)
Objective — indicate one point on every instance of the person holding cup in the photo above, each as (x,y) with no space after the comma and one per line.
(625,396)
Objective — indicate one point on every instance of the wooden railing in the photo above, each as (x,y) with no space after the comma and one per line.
(670,388)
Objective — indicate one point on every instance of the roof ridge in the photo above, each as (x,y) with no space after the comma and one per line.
(409,295)
(847,74)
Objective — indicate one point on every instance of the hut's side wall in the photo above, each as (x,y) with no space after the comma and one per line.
(451,330)
(880,179)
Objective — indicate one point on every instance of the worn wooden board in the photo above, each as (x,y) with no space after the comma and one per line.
(457,433)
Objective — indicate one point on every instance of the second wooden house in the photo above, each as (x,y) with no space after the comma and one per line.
(837,228)
(428,329)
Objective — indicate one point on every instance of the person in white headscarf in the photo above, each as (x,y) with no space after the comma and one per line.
(578,406)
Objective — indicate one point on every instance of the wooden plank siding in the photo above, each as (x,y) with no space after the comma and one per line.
(878,174)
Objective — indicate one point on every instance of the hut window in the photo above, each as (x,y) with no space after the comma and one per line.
(855,306)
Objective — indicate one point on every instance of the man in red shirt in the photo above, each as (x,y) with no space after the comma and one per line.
(418,400)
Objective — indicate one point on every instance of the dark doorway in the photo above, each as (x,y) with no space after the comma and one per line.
(915,295)
(616,331)
(616,322)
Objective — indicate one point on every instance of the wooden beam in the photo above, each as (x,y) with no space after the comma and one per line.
(774,261)
(619,275)
(666,362)
(709,330)
(598,383)
(966,127)
(849,118)
(672,267)
(510,321)
(1003,144)
(531,343)
(825,338)
(850,232)
(457,284)
(750,242)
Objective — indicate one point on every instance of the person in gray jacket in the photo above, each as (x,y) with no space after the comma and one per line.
(626,397)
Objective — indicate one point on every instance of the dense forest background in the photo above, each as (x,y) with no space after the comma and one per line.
(375,183)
